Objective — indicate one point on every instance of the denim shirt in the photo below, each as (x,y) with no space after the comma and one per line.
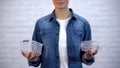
(47,32)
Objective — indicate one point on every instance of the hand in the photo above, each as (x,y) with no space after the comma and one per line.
(90,53)
(31,56)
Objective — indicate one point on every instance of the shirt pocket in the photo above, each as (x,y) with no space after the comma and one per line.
(45,33)
(79,33)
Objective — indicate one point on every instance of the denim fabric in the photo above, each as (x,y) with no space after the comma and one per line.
(47,32)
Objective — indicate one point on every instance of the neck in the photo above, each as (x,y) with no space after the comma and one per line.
(62,13)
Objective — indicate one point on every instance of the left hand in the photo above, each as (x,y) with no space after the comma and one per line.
(91,53)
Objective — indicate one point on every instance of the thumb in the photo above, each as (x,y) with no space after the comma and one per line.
(96,50)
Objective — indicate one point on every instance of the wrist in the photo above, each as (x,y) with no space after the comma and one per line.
(88,57)
(33,60)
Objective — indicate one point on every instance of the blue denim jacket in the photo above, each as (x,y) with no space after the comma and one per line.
(47,32)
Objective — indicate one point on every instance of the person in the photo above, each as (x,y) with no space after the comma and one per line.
(61,34)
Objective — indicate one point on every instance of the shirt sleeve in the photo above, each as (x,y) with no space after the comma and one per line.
(87,32)
(87,36)
(36,34)
(36,37)
(36,63)
(88,62)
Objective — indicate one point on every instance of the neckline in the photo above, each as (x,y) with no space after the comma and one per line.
(64,19)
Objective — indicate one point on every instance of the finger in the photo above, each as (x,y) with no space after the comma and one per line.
(37,54)
(95,52)
(28,55)
(88,52)
(23,54)
(32,56)
(97,48)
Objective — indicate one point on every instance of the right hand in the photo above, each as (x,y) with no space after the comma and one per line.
(31,56)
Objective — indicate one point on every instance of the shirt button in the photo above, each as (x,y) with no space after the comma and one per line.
(57,57)
(57,34)
(56,45)
(57,24)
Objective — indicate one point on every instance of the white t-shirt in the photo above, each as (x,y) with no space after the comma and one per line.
(63,43)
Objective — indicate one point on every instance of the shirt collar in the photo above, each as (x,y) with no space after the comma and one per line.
(53,16)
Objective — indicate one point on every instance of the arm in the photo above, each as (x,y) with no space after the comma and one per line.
(36,37)
(87,36)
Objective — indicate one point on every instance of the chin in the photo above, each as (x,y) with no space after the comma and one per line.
(61,7)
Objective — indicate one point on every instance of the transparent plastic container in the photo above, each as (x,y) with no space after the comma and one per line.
(90,45)
(27,46)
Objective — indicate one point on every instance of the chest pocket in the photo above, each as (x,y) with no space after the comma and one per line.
(78,37)
(45,32)
(79,33)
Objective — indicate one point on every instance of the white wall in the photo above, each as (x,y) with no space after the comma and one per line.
(17,19)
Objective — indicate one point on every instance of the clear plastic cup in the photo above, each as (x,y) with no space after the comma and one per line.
(90,45)
(27,46)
